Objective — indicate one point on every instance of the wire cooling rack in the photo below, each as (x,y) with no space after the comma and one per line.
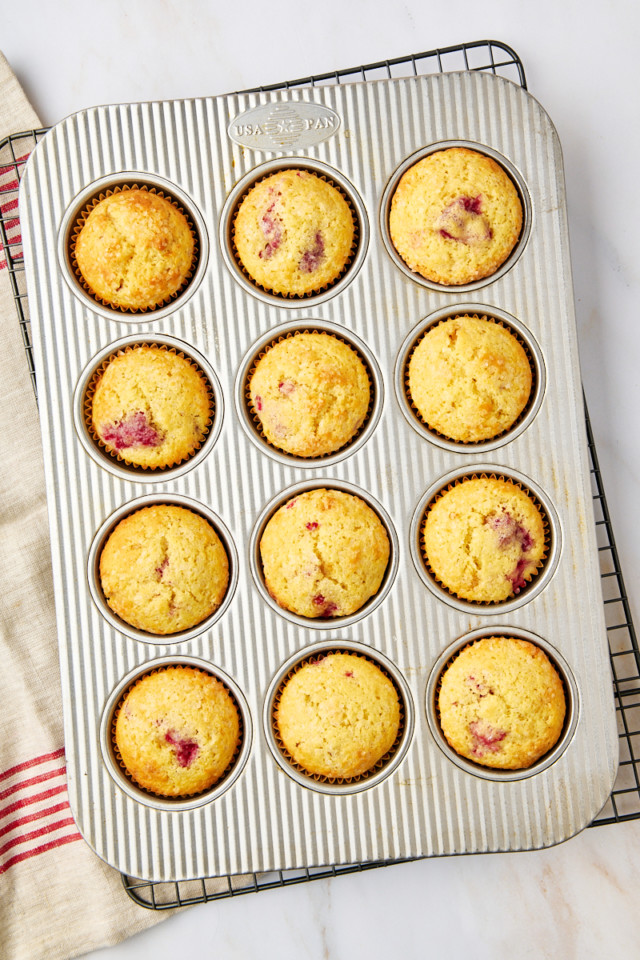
(624,803)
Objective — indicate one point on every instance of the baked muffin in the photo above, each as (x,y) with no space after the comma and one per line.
(501,703)
(164,569)
(469,378)
(484,539)
(135,249)
(149,406)
(293,233)
(310,393)
(324,554)
(177,730)
(338,716)
(455,216)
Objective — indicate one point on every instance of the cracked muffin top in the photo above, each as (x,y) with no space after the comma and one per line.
(164,569)
(150,406)
(469,378)
(501,703)
(135,250)
(294,233)
(455,216)
(311,394)
(484,539)
(324,554)
(338,715)
(177,731)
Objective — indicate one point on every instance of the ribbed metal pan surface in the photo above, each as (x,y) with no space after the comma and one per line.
(427,804)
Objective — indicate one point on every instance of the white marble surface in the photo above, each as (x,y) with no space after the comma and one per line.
(579,899)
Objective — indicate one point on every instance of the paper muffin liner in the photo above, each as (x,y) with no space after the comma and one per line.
(116,455)
(319,778)
(254,413)
(322,288)
(183,796)
(539,565)
(80,222)
(469,444)
(506,634)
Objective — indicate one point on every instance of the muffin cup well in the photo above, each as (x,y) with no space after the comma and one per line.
(571,693)
(100,539)
(113,461)
(255,561)
(250,420)
(335,179)
(115,766)
(76,216)
(546,567)
(513,174)
(385,766)
(526,341)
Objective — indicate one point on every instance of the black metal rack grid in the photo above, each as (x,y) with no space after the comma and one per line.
(624,803)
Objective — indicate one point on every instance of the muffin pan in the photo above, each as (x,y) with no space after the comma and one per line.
(424,801)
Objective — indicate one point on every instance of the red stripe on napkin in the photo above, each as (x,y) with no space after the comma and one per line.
(48,808)
(27,764)
(26,854)
(9,183)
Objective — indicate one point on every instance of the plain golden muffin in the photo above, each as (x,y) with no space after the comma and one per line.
(324,554)
(484,539)
(294,233)
(310,393)
(135,249)
(338,716)
(150,406)
(455,216)
(164,569)
(469,378)
(501,703)
(177,730)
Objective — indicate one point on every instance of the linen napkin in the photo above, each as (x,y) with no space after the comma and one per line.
(57,898)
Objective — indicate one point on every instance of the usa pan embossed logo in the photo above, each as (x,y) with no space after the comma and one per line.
(283,126)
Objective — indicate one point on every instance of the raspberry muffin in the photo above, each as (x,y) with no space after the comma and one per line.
(469,378)
(310,393)
(164,569)
(177,731)
(134,250)
(149,406)
(455,216)
(501,703)
(338,716)
(294,233)
(324,554)
(484,539)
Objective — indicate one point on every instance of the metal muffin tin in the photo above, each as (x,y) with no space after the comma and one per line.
(205,151)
